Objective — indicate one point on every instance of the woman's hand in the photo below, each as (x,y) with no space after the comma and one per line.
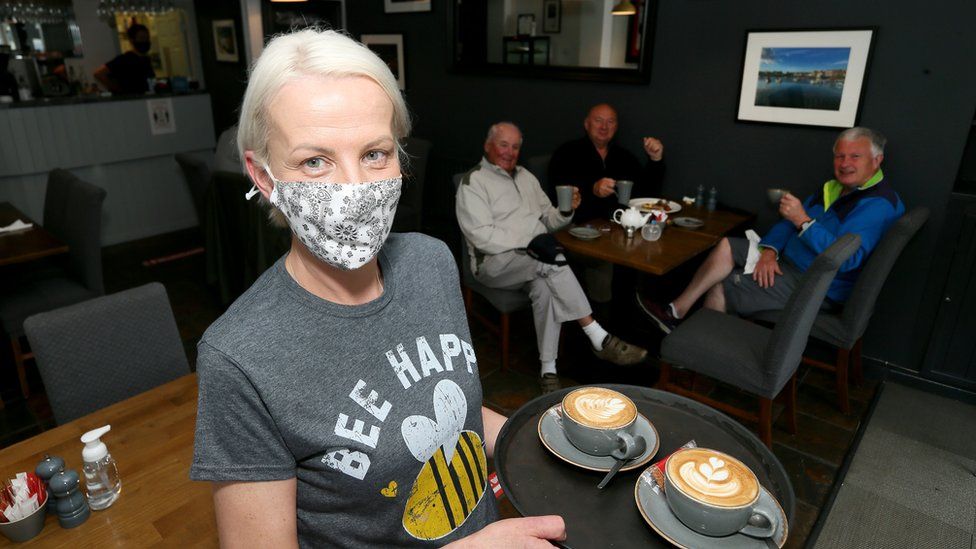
(516,533)
(766,269)
(577,198)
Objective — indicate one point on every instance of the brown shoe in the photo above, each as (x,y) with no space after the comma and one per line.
(549,383)
(620,352)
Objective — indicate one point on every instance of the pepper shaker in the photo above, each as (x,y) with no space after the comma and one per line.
(712,199)
(700,196)
(72,506)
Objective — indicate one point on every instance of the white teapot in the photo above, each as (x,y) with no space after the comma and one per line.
(630,218)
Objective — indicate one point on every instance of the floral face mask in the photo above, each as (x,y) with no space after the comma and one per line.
(343,224)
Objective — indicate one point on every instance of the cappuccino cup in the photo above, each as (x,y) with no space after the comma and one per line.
(716,495)
(601,422)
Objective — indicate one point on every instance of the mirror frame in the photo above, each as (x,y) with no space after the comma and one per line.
(641,75)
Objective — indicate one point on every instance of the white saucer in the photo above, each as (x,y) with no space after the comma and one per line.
(554,439)
(653,506)
(673,206)
(688,222)
(585,233)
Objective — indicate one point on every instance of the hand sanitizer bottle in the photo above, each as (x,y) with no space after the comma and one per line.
(102,482)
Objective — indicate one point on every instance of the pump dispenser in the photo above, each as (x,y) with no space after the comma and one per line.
(102,482)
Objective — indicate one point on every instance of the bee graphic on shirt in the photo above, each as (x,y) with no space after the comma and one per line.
(454,475)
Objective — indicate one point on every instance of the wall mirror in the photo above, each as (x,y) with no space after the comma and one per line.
(41,27)
(606,40)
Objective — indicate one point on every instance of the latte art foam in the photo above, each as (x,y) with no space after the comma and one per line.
(599,407)
(713,477)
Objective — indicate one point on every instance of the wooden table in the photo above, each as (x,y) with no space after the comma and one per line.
(152,442)
(26,245)
(676,246)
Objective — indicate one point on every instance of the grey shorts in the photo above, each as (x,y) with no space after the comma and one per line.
(743,296)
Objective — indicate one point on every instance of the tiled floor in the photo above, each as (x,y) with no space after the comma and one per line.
(812,457)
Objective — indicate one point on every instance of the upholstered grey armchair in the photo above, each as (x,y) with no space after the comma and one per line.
(844,329)
(758,360)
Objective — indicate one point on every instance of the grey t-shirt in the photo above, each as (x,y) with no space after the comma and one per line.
(375,408)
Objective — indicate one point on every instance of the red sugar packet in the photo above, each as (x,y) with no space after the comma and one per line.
(656,470)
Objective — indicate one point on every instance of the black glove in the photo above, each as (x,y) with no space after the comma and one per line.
(545,248)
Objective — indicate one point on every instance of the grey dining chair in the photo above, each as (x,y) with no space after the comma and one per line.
(73,214)
(539,166)
(409,214)
(845,328)
(756,359)
(505,302)
(104,350)
(197,175)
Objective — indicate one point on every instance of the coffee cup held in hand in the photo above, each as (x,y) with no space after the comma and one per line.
(623,189)
(775,195)
(564,196)
(715,494)
(601,422)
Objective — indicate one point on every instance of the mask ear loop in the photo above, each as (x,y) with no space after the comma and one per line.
(254,187)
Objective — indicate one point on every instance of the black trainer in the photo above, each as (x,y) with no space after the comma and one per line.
(660,315)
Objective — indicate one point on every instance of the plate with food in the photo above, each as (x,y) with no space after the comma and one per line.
(646,205)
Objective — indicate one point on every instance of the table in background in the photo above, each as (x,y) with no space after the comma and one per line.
(676,245)
(539,483)
(152,442)
(26,245)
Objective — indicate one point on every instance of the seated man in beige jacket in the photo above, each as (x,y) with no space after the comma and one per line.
(501,209)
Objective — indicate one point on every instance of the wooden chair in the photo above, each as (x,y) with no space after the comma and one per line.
(844,329)
(505,302)
(756,359)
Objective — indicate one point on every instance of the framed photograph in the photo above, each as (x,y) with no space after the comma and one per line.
(225,40)
(398,6)
(389,47)
(810,78)
(552,16)
(526,24)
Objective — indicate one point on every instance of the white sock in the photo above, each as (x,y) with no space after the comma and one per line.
(674,312)
(596,333)
(548,367)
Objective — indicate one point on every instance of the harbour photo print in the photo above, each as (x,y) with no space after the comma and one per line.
(804,77)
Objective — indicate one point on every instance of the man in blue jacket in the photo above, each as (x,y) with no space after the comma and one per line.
(859,200)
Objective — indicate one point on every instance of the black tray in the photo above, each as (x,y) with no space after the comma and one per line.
(539,483)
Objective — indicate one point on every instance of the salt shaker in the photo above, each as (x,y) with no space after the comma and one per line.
(700,195)
(47,468)
(712,199)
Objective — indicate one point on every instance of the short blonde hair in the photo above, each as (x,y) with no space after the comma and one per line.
(310,52)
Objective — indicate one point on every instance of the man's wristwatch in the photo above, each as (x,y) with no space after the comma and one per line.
(805,224)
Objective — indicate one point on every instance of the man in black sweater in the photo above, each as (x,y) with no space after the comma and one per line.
(593,164)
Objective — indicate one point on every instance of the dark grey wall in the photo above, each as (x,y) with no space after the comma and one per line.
(920,91)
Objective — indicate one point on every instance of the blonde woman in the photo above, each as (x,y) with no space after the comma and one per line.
(340,402)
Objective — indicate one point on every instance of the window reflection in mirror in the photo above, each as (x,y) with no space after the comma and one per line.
(560,38)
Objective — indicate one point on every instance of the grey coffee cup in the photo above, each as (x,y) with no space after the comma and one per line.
(775,195)
(564,195)
(618,442)
(623,188)
(757,519)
